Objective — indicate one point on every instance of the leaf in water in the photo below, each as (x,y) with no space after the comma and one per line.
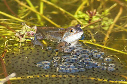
(105,28)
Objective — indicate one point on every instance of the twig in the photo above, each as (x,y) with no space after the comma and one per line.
(114,5)
(25,15)
(92,23)
(120,27)
(5,2)
(111,27)
(61,9)
(37,13)
(4,69)
(7,78)
(93,39)
(120,3)
(2,73)
(84,41)
(10,16)
(101,6)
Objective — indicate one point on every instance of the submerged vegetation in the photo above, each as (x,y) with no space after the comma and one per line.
(99,18)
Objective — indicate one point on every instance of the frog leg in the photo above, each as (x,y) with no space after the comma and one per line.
(36,42)
(62,45)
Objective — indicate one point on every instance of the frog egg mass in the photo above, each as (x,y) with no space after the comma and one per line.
(43,65)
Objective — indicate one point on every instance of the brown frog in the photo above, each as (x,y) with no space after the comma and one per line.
(64,37)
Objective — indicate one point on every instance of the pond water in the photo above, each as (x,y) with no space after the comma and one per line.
(83,64)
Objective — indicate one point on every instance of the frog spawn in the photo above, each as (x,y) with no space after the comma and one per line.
(24,61)
(79,61)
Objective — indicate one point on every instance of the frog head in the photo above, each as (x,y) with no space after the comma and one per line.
(73,34)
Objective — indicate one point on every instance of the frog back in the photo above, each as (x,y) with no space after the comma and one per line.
(51,33)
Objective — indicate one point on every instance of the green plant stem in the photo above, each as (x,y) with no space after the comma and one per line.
(12,17)
(41,7)
(61,9)
(38,16)
(99,9)
(81,6)
(88,42)
(93,39)
(8,27)
(21,3)
(114,5)
(111,27)
(120,27)
(92,23)
(25,14)
(120,3)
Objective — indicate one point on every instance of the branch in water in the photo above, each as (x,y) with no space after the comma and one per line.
(5,2)
(91,23)
(111,27)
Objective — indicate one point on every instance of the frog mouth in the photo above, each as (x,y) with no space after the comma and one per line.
(73,37)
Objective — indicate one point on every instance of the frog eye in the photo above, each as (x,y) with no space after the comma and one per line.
(72,30)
